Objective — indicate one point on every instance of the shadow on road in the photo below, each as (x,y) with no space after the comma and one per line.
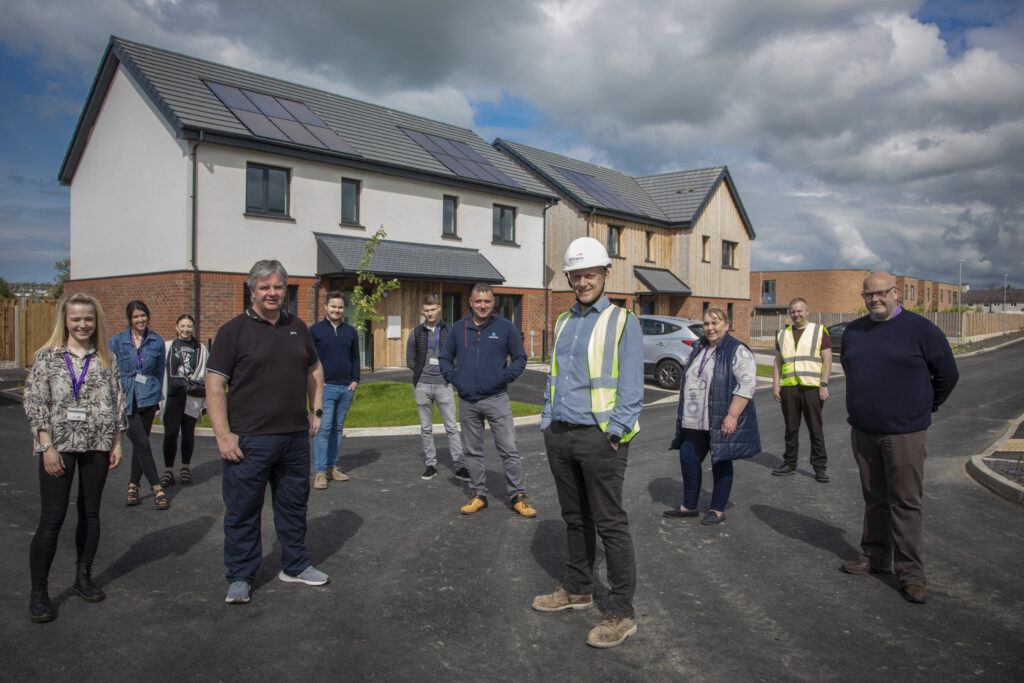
(325,536)
(807,529)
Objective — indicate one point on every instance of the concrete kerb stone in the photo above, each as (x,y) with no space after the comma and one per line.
(990,348)
(995,482)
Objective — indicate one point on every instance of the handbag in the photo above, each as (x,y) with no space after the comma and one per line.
(194,388)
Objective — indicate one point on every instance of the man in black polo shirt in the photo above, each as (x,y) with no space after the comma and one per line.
(267,359)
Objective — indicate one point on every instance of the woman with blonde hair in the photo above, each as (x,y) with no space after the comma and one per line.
(76,409)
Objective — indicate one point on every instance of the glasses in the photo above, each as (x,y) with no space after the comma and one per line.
(881,294)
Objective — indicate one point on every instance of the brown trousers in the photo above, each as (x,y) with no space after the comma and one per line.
(891,472)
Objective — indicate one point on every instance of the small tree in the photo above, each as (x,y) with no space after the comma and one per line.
(370,288)
(63,268)
(5,290)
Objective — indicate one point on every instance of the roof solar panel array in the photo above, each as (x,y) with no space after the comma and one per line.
(460,158)
(596,189)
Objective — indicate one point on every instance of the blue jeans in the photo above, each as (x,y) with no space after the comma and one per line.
(337,401)
(693,450)
(282,460)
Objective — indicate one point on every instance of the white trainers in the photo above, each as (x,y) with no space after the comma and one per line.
(238,593)
(311,576)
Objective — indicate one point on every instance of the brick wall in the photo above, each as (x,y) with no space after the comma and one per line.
(826,291)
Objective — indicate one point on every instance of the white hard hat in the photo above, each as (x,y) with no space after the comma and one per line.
(585,252)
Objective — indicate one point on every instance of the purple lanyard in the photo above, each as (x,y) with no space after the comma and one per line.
(704,360)
(77,384)
(432,343)
(142,341)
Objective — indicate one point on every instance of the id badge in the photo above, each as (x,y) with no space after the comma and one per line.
(140,378)
(433,361)
(76,415)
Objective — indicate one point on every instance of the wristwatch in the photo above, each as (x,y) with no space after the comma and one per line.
(318,412)
(43,447)
(824,384)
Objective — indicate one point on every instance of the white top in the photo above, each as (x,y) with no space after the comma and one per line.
(698,380)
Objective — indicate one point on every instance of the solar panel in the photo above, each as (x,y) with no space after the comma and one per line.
(596,189)
(459,158)
(272,117)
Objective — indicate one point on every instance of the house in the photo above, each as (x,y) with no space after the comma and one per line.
(838,291)
(679,242)
(183,173)
(1001,300)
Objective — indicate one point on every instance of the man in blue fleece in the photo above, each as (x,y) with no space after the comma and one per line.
(482,355)
(899,370)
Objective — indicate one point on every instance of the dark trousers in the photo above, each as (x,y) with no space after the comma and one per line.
(692,451)
(803,402)
(283,461)
(175,421)
(589,476)
(54,493)
(891,472)
(140,423)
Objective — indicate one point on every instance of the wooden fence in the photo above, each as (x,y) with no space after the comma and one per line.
(24,326)
(974,326)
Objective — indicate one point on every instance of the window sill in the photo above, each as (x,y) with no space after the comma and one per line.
(618,256)
(724,267)
(503,243)
(351,226)
(456,238)
(704,260)
(272,216)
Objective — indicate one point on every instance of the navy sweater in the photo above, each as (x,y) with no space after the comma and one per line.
(482,360)
(338,350)
(898,372)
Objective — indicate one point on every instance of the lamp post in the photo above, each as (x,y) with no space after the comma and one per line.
(1004,303)
(959,303)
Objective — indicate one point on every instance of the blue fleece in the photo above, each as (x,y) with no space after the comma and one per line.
(482,360)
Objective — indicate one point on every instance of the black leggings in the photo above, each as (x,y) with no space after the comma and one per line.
(140,422)
(175,419)
(54,493)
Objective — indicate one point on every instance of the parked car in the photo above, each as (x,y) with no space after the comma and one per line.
(836,333)
(667,343)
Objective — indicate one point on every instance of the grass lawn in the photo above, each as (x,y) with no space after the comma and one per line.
(391,404)
(764,371)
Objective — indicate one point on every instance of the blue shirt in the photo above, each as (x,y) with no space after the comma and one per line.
(572,384)
(338,349)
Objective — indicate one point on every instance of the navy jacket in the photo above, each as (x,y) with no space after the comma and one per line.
(898,372)
(483,360)
(338,350)
(746,440)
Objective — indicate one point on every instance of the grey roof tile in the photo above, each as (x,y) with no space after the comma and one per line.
(342,255)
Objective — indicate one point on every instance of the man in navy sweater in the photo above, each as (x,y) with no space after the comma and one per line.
(337,344)
(899,370)
(482,355)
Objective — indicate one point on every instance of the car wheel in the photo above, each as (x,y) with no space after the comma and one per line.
(668,374)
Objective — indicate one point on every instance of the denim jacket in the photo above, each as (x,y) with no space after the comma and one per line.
(130,363)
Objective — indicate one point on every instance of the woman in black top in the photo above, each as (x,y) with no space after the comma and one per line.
(184,397)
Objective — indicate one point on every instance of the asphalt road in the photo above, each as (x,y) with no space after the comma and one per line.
(419,592)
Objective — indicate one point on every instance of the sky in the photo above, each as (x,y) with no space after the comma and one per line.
(866,134)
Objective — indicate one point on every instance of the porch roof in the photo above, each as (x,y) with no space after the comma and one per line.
(340,255)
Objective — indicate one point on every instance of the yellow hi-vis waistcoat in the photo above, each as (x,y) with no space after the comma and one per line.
(801,362)
(604,367)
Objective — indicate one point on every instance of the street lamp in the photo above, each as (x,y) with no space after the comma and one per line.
(1004,303)
(959,303)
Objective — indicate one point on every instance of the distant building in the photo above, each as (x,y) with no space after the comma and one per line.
(992,299)
(838,291)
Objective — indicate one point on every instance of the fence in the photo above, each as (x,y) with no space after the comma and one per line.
(24,326)
(975,326)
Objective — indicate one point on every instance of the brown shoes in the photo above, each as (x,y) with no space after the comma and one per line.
(320,480)
(611,631)
(862,565)
(522,505)
(337,475)
(475,504)
(914,593)
(560,600)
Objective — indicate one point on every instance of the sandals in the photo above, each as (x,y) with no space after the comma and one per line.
(133,495)
(186,475)
(167,478)
(160,500)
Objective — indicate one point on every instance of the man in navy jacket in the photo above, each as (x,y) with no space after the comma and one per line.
(899,370)
(482,355)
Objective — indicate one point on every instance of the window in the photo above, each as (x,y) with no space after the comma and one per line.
(728,254)
(510,306)
(621,303)
(504,224)
(705,249)
(350,201)
(266,190)
(614,240)
(768,292)
(451,307)
(449,222)
(650,247)
(291,304)
(704,308)
(729,313)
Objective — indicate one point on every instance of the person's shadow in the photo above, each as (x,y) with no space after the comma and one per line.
(806,529)
(325,536)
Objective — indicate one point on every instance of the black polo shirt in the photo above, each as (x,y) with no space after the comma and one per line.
(266,366)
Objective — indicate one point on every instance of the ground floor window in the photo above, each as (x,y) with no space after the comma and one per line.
(510,306)
(291,305)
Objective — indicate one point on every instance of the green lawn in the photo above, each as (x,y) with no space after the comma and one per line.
(391,404)
(764,371)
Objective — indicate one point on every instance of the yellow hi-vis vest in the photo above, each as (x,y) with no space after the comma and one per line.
(604,367)
(801,362)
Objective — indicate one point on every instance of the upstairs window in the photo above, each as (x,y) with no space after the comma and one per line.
(504,224)
(614,240)
(350,201)
(650,246)
(266,190)
(705,249)
(728,254)
(449,216)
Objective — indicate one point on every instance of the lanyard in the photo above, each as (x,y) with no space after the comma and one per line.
(432,342)
(77,384)
(704,360)
(142,341)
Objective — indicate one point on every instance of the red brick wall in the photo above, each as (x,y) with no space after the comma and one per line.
(826,291)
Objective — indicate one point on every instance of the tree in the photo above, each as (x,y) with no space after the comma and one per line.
(370,288)
(63,268)
(5,291)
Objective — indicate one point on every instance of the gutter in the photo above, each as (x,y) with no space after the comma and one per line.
(195,229)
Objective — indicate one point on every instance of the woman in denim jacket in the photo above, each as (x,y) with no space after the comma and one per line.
(140,361)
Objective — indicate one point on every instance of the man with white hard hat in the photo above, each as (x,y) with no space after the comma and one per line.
(591,408)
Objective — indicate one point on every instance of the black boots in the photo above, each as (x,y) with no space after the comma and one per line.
(39,607)
(84,585)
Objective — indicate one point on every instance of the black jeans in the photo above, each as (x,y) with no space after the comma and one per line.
(54,493)
(140,422)
(803,402)
(176,420)
(589,476)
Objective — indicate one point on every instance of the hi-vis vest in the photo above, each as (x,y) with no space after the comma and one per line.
(604,367)
(801,362)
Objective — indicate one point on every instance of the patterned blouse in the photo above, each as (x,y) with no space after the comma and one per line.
(698,381)
(49,394)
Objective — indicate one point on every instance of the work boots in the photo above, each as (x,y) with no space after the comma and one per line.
(39,606)
(84,585)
